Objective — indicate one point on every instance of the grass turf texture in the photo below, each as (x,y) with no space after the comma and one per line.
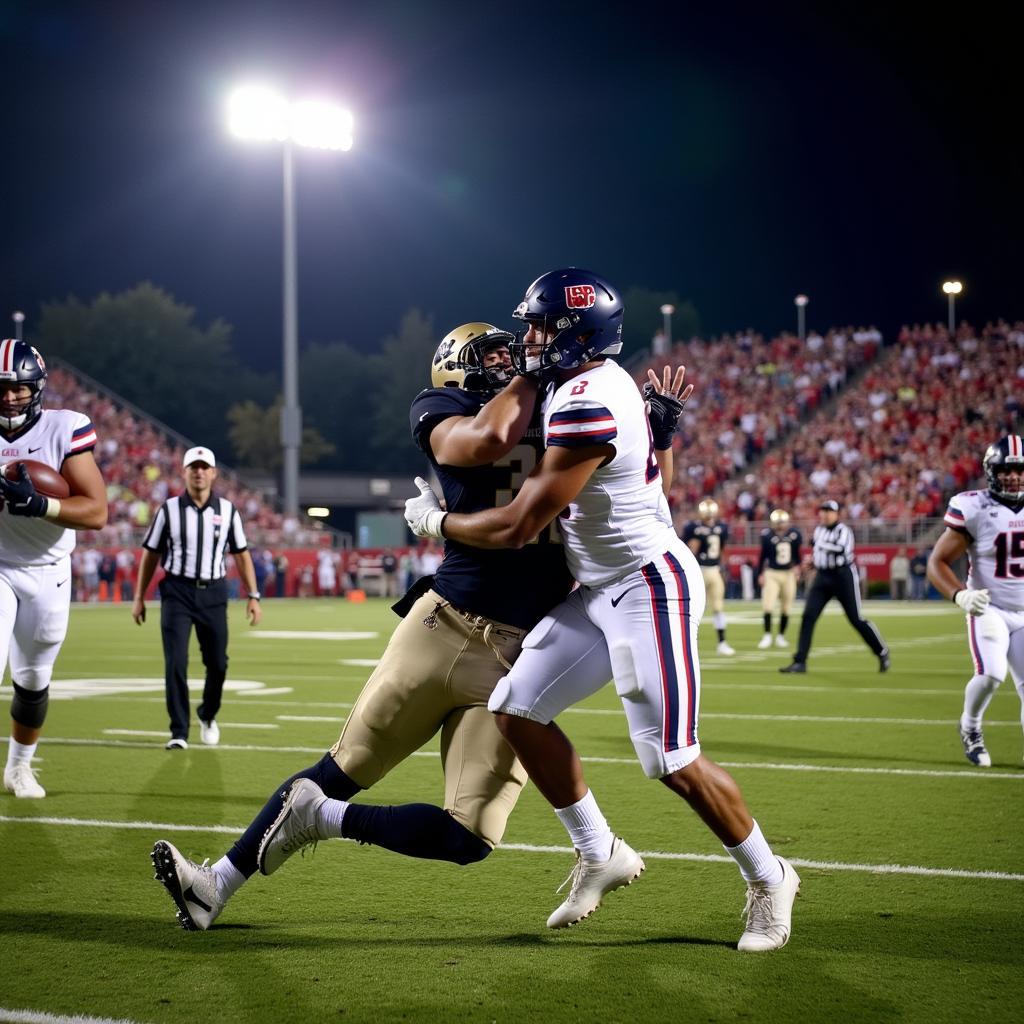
(357,933)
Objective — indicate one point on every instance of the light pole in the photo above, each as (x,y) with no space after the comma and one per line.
(801,305)
(258,113)
(19,318)
(666,311)
(952,290)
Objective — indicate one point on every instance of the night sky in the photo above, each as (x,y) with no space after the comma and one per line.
(734,157)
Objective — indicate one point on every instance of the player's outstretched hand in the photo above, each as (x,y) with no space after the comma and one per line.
(974,602)
(665,399)
(424,514)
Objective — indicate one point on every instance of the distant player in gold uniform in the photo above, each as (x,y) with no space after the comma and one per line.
(706,537)
(777,571)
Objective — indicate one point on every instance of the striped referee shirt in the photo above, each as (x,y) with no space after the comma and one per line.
(833,546)
(192,541)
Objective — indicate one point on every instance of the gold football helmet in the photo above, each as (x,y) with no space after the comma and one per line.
(708,509)
(779,517)
(473,357)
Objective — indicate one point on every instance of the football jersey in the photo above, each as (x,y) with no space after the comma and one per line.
(517,587)
(58,433)
(712,538)
(620,519)
(996,551)
(780,550)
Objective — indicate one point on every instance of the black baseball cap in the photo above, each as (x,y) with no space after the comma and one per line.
(829,506)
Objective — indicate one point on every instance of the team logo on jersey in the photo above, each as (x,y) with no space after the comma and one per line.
(580,296)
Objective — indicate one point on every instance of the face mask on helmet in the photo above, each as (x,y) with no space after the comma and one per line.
(576,316)
(474,357)
(1006,455)
(707,509)
(20,364)
(779,517)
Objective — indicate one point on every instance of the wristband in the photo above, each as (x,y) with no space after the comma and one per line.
(955,592)
(52,509)
(254,596)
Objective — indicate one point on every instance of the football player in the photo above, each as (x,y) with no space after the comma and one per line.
(987,526)
(461,630)
(633,618)
(37,535)
(777,570)
(706,537)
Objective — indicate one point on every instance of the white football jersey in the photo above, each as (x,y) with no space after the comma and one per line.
(620,520)
(57,434)
(996,551)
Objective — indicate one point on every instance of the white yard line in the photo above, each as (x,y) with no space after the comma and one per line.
(707,858)
(41,1017)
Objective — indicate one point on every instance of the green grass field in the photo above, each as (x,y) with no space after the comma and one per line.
(912,862)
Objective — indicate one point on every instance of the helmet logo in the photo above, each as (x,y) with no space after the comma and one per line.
(580,296)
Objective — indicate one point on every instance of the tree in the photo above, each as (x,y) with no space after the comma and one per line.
(255,435)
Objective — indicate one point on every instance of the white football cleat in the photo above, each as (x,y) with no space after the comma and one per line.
(974,748)
(20,780)
(590,881)
(724,648)
(765,642)
(193,887)
(769,912)
(209,732)
(294,828)
(781,641)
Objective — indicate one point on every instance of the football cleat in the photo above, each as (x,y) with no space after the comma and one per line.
(797,666)
(294,828)
(176,743)
(589,881)
(769,912)
(724,648)
(20,780)
(193,887)
(781,641)
(974,748)
(765,642)
(209,733)
(884,661)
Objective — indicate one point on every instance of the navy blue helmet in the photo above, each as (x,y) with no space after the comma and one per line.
(1006,453)
(20,363)
(580,310)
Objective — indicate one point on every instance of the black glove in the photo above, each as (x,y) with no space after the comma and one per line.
(20,496)
(663,412)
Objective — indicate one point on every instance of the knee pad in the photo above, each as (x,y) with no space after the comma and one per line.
(28,707)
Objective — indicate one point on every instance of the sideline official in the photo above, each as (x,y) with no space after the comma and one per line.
(835,577)
(189,537)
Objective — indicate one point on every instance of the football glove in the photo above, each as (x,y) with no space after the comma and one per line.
(20,495)
(663,412)
(423,513)
(974,602)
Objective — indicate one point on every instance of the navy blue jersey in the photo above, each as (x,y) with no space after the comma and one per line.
(712,537)
(517,587)
(779,550)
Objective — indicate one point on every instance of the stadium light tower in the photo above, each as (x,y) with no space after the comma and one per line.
(801,324)
(255,112)
(666,311)
(952,290)
(19,318)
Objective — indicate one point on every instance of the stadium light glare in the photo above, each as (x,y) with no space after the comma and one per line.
(318,512)
(952,290)
(952,287)
(257,112)
(321,125)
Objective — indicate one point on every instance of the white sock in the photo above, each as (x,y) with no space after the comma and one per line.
(587,828)
(718,619)
(977,694)
(329,816)
(755,859)
(229,878)
(20,753)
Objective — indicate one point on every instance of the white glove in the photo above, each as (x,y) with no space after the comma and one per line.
(974,602)
(424,513)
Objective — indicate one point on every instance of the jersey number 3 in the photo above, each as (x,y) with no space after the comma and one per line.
(520,462)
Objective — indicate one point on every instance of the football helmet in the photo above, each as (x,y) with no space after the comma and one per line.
(20,363)
(779,517)
(1006,453)
(461,359)
(581,313)
(708,509)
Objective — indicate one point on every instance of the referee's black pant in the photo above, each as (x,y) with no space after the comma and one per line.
(842,585)
(186,603)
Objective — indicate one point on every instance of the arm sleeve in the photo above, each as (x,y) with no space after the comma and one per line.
(580,426)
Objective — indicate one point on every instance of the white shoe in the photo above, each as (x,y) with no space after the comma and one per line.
(591,880)
(765,642)
(769,912)
(294,828)
(193,887)
(781,641)
(176,743)
(20,780)
(209,732)
(724,648)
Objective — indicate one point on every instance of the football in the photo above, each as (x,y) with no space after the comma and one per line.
(45,479)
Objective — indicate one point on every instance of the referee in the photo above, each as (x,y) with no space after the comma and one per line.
(835,576)
(189,537)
